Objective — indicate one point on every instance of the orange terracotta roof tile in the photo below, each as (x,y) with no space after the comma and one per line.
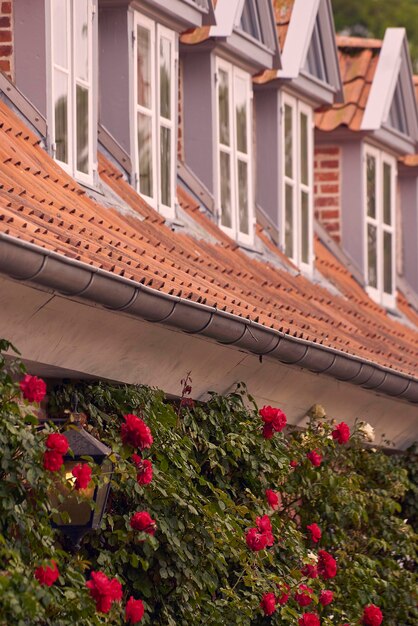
(358,60)
(41,204)
(194,36)
(283,13)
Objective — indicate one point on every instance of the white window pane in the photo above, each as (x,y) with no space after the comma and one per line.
(82,114)
(243,197)
(145,155)
(304,146)
(387,262)
(225,163)
(165,165)
(387,193)
(289,220)
(371,186)
(223,108)
(81,39)
(61,115)
(60,32)
(144,66)
(241,98)
(305,227)
(165,78)
(288,140)
(372,255)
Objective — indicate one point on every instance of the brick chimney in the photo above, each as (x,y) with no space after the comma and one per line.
(327,189)
(6,39)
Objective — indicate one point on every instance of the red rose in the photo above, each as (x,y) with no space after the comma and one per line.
(104,591)
(284,589)
(274,418)
(272,499)
(293,463)
(143,521)
(263,523)
(310,571)
(303,595)
(309,619)
(264,526)
(82,473)
(327,565)
(33,388)
(135,432)
(315,458)
(47,575)
(136,459)
(57,442)
(268,604)
(256,541)
(372,616)
(315,531)
(144,475)
(267,413)
(326,597)
(268,431)
(53,460)
(341,433)
(134,611)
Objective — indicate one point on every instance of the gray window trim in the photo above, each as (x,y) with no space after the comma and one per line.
(23,105)
(265,53)
(184,13)
(107,140)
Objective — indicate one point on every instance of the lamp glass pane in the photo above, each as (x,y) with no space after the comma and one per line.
(76,506)
(102,492)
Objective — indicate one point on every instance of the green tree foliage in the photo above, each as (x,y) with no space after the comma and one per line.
(211,469)
(372,17)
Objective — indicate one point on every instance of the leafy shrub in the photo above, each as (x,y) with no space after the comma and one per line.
(211,469)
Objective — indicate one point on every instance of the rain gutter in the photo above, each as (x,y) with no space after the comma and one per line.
(74,279)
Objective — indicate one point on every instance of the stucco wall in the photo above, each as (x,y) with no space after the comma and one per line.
(63,337)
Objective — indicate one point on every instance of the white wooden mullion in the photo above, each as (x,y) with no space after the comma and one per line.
(162,32)
(149,25)
(388,300)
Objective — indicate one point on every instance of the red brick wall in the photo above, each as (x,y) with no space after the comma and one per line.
(327,189)
(6,38)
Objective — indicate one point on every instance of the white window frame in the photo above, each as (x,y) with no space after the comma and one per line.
(377,293)
(157,31)
(234,232)
(71,166)
(298,107)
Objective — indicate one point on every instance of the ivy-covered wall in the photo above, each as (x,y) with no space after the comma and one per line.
(217,515)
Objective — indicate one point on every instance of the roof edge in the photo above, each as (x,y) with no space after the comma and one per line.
(33,264)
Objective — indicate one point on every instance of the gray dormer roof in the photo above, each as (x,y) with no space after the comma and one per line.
(246,29)
(309,51)
(391,106)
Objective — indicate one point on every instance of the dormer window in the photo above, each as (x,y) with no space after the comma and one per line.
(154,113)
(297,146)
(234,151)
(380,180)
(71,81)
(315,59)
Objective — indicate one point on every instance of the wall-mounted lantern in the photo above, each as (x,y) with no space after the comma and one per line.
(82,511)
